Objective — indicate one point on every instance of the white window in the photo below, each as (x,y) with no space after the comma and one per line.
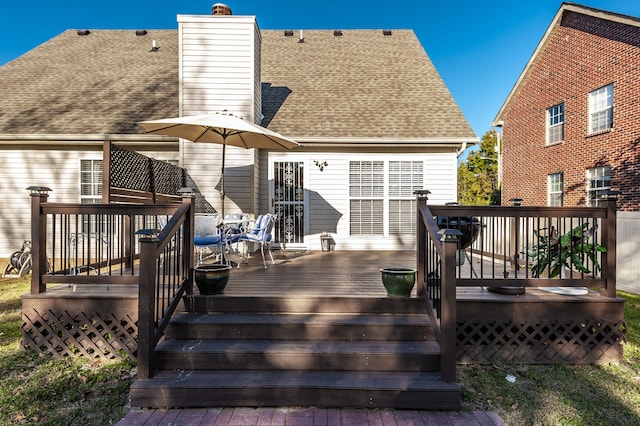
(383,189)
(555,124)
(90,181)
(601,109)
(555,190)
(598,182)
(404,178)
(366,190)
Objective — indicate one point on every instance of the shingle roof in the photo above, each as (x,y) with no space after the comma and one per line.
(361,84)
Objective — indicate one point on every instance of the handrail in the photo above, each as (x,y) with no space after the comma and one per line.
(159,299)
(158,261)
(81,244)
(505,252)
(509,237)
(436,259)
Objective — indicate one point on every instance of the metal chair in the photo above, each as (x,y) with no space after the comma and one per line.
(261,234)
(207,236)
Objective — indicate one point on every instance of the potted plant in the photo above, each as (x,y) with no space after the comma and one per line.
(211,278)
(554,253)
(398,281)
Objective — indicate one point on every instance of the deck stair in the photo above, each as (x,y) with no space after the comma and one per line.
(374,352)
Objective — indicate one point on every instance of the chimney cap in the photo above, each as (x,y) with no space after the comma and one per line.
(220,9)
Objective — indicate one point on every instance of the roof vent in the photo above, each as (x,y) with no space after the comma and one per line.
(84,32)
(288,33)
(220,9)
(386,32)
(337,33)
(141,32)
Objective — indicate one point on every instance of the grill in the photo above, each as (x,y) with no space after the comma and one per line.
(469,226)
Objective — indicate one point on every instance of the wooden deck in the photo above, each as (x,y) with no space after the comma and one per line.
(490,317)
(316,273)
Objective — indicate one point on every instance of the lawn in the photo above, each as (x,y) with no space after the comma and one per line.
(562,394)
(54,391)
(76,391)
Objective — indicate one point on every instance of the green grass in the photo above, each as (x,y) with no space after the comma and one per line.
(562,394)
(43,390)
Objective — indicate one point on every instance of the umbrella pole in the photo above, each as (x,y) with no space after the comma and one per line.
(222,194)
(223,260)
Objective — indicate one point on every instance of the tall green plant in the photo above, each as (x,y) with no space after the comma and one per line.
(554,252)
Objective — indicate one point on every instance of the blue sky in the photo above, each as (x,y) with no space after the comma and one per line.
(479,47)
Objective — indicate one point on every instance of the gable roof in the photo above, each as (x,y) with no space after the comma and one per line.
(361,84)
(557,20)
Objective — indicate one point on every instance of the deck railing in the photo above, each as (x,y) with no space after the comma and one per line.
(150,246)
(514,247)
(166,262)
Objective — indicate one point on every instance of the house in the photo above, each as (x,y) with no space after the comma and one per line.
(570,124)
(373,117)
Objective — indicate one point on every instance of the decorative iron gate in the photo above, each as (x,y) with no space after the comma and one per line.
(288,203)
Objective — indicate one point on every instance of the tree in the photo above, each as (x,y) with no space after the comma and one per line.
(478,176)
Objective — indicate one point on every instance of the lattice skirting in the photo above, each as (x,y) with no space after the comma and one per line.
(541,342)
(93,335)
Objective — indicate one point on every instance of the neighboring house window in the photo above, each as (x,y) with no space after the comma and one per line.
(601,109)
(366,192)
(598,182)
(555,124)
(554,188)
(404,178)
(381,196)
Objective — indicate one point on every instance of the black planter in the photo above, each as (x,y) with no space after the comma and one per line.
(211,278)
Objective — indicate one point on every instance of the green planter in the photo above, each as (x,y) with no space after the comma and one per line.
(398,281)
(211,278)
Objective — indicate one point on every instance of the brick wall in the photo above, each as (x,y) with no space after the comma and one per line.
(582,53)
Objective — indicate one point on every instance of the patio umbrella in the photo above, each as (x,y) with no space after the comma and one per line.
(220,128)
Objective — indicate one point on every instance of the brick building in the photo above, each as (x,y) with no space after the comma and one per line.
(571,124)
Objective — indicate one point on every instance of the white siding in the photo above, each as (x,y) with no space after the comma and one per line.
(220,70)
(54,168)
(219,65)
(328,194)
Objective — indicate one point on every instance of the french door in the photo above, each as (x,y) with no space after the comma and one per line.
(289,203)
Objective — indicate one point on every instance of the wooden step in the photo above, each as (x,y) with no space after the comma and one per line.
(237,388)
(375,305)
(405,356)
(375,352)
(353,327)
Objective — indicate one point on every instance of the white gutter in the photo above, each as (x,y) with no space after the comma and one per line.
(318,142)
(87,140)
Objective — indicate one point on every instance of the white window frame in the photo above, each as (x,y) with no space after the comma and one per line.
(555,190)
(366,197)
(405,177)
(91,181)
(555,124)
(381,200)
(598,182)
(601,109)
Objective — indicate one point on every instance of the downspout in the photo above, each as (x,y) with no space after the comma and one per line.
(461,150)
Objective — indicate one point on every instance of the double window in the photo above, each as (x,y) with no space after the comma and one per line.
(381,199)
(555,124)
(601,109)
